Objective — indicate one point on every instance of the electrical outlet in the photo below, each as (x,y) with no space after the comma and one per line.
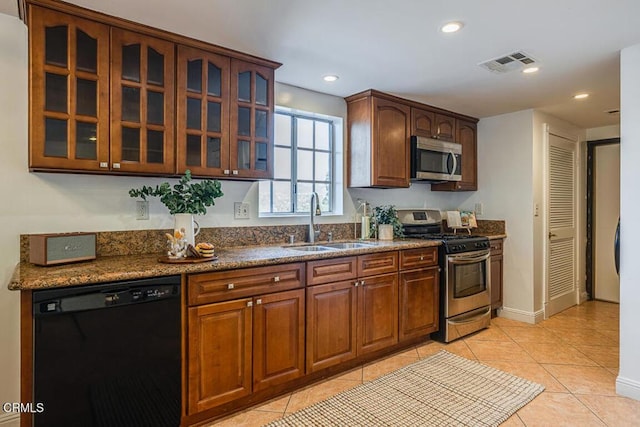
(479,208)
(240,210)
(142,209)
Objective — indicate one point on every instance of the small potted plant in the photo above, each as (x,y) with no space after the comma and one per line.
(184,200)
(386,219)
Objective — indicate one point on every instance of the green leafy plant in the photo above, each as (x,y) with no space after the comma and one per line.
(387,214)
(185,196)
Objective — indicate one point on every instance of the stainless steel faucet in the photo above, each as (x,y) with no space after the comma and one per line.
(314,232)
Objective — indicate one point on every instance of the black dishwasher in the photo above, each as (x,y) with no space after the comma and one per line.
(108,354)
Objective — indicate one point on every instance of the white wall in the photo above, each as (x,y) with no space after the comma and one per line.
(628,382)
(604,132)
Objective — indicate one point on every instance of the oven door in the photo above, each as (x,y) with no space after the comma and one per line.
(467,282)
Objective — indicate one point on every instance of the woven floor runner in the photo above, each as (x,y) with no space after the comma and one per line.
(440,390)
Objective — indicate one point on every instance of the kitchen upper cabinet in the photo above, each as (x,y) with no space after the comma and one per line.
(379,132)
(203,112)
(252,119)
(69,104)
(142,103)
(112,96)
(430,124)
(466,134)
(445,128)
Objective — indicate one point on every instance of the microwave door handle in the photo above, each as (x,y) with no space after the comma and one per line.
(455,164)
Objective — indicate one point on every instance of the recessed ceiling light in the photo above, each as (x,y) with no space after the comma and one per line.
(581,96)
(330,78)
(530,70)
(451,27)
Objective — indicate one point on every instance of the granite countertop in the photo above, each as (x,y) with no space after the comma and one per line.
(28,276)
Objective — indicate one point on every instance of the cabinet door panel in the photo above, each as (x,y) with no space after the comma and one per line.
(69,90)
(203,80)
(422,123)
(331,324)
(251,125)
(331,270)
(391,143)
(496,280)
(445,127)
(142,103)
(219,364)
(419,290)
(375,264)
(377,313)
(418,258)
(278,338)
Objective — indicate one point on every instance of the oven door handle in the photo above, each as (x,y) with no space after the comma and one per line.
(468,259)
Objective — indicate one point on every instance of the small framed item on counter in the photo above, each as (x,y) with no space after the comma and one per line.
(468,219)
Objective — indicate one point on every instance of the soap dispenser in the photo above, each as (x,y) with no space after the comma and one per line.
(365,229)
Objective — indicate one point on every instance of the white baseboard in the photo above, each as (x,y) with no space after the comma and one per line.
(10,420)
(584,296)
(521,315)
(628,388)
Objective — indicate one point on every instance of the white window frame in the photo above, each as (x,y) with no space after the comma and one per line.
(335,182)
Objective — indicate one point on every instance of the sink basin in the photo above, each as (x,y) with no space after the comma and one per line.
(348,245)
(314,248)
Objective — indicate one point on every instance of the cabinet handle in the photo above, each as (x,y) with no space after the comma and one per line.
(356,284)
(421,257)
(235,172)
(226,172)
(249,303)
(276,279)
(258,301)
(104,164)
(116,165)
(231,286)
(362,282)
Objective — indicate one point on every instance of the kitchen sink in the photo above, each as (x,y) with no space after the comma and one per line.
(310,248)
(348,245)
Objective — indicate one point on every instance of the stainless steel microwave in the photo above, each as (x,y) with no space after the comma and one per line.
(435,160)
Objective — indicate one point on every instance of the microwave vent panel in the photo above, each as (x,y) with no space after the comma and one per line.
(507,63)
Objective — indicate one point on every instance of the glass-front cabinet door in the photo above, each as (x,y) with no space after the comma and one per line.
(69,108)
(251,126)
(203,112)
(142,100)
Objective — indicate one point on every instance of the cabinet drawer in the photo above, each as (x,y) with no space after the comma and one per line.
(418,258)
(375,264)
(227,285)
(496,246)
(331,270)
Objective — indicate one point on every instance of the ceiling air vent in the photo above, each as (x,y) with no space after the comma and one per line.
(507,63)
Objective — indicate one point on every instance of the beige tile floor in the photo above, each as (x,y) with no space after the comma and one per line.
(574,354)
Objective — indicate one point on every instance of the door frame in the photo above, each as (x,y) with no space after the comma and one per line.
(589,256)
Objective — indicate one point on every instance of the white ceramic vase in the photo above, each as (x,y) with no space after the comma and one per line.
(190,225)
(385,232)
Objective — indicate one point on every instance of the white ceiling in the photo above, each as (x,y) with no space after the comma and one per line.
(396,47)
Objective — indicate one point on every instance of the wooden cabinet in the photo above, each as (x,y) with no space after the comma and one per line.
(379,128)
(354,316)
(419,292)
(379,141)
(202,112)
(251,127)
(496,274)
(110,96)
(466,132)
(244,345)
(69,92)
(142,103)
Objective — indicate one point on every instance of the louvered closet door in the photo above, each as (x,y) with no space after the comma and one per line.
(561,203)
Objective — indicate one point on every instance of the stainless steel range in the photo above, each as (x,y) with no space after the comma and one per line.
(465,277)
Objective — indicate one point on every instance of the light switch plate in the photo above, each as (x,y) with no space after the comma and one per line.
(142,209)
(240,210)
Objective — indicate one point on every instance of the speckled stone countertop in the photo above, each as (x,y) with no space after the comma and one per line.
(127,267)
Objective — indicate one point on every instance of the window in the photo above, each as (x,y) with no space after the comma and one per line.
(304,161)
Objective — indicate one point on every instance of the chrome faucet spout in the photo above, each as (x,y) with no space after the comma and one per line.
(314,232)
